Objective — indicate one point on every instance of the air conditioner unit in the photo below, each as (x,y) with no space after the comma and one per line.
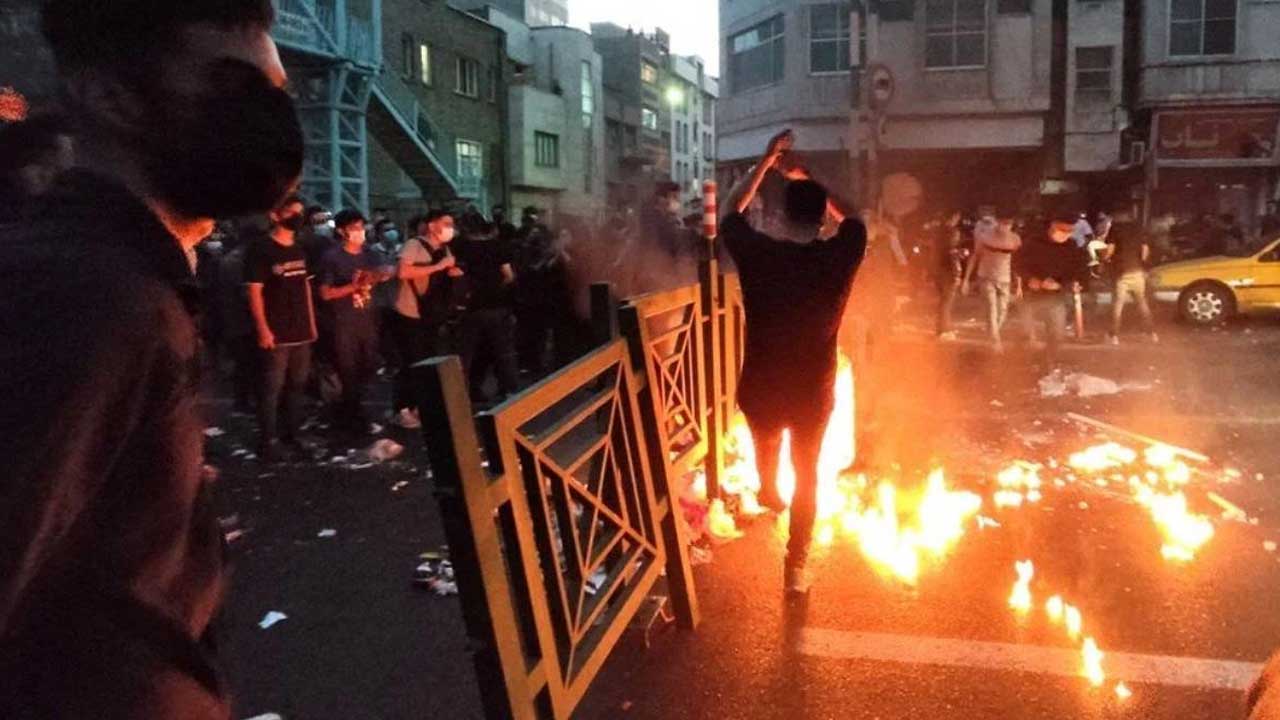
(1137,153)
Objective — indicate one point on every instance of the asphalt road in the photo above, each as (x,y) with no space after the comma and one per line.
(361,642)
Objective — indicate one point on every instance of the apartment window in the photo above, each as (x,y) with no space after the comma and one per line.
(955,34)
(648,73)
(756,55)
(406,56)
(588,90)
(424,63)
(467,80)
(649,118)
(829,32)
(1093,75)
(546,150)
(470,167)
(1202,27)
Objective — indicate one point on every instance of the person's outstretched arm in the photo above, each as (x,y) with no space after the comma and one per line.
(744,192)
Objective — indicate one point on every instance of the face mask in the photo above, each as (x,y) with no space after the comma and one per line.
(392,236)
(235,149)
(324,231)
(448,234)
(293,223)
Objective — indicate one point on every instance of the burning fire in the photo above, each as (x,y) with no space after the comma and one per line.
(1020,598)
(1092,666)
(896,530)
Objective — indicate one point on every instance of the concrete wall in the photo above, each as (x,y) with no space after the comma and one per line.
(451,33)
(1251,73)
(1093,127)
(534,111)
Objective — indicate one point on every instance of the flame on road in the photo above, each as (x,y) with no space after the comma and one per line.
(1020,598)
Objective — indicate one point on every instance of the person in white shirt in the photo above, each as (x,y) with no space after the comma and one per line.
(994,243)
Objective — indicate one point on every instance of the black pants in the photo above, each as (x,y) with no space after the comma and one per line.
(245,357)
(487,338)
(284,379)
(415,341)
(355,357)
(806,446)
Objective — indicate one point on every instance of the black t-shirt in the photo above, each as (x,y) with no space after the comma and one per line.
(795,296)
(286,289)
(1129,242)
(483,260)
(1044,259)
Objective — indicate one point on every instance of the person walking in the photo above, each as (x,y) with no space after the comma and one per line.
(951,257)
(994,243)
(280,300)
(794,288)
(347,276)
(111,558)
(487,333)
(1050,271)
(1129,253)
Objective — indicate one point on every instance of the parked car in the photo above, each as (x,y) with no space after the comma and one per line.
(1212,289)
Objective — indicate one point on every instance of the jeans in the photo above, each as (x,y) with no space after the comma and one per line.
(806,445)
(415,341)
(1049,308)
(997,294)
(355,357)
(488,337)
(1131,283)
(284,379)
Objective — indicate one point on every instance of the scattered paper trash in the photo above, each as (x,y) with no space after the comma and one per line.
(213,432)
(268,716)
(400,486)
(327,533)
(385,449)
(271,618)
(699,556)
(1056,384)
(436,575)
(985,522)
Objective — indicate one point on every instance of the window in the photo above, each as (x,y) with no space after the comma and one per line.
(467,80)
(649,118)
(648,73)
(956,34)
(470,168)
(406,56)
(1202,27)
(424,63)
(546,150)
(756,55)
(588,90)
(1093,75)
(829,32)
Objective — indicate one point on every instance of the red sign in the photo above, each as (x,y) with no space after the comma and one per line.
(1243,134)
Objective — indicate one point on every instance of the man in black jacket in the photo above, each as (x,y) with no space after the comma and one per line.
(110,553)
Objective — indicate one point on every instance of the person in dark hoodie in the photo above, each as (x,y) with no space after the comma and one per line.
(1049,271)
(110,550)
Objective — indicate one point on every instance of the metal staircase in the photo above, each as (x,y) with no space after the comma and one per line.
(401,123)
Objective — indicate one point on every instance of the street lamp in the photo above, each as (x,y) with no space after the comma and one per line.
(675,95)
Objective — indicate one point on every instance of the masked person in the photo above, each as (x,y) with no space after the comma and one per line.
(1128,252)
(794,289)
(487,334)
(348,275)
(278,282)
(1050,270)
(110,550)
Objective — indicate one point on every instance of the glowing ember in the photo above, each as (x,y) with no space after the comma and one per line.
(1102,457)
(720,523)
(1020,598)
(1092,665)
(1184,532)
(1074,621)
(1053,608)
(1123,692)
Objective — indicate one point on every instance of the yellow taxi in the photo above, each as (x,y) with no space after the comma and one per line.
(1212,289)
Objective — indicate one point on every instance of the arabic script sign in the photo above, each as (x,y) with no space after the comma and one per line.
(1244,134)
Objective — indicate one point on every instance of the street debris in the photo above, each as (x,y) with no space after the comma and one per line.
(699,555)
(271,618)
(435,573)
(327,533)
(268,716)
(399,486)
(1269,545)
(385,450)
(213,432)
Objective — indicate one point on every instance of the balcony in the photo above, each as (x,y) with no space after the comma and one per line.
(1225,81)
(323,28)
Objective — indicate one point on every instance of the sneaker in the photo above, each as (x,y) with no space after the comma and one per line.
(408,419)
(1113,340)
(949,336)
(795,578)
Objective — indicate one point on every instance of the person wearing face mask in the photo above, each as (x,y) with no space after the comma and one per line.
(348,275)
(110,551)
(278,282)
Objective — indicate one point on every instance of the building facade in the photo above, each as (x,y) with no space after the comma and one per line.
(638,121)
(438,113)
(1208,107)
(691,95)
(556,125)
(533,13)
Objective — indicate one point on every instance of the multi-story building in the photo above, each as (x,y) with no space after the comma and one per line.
(533,13)
(556,123)
(691,96)
(1207,106)
(439,110)
(637,114)
(970,111)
